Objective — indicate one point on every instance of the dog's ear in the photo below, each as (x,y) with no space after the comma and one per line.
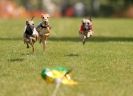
(90,18)
(27,22)
(32,17)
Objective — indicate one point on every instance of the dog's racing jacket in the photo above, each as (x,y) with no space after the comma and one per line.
(82,28)
(30,32)
(42,26)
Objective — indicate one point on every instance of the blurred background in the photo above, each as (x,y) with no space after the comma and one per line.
(66,8)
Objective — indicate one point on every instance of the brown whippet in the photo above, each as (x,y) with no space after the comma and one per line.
(44,30)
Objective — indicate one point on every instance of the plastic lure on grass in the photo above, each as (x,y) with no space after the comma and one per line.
(59,75)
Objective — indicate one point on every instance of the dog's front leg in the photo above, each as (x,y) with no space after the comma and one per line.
(44,44)
(44,41)
(32,47)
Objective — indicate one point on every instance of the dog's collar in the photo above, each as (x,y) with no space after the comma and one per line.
(44,26)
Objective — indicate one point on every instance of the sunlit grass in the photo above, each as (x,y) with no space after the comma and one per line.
(102,67)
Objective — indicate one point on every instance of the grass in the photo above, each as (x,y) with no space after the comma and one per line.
(102,67)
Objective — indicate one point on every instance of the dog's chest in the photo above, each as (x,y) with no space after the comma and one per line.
(28,31)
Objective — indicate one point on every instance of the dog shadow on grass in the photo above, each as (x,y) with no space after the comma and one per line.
(26,54)
(94,39)
(72,55)
(77,39)
(16,60)
(10,38)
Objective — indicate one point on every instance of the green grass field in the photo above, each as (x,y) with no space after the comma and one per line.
(102,67)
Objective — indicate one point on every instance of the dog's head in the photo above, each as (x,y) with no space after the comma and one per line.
(45,17)
(30,24)
(86,23)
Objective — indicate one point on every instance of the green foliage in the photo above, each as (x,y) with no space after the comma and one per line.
(102,67)
(107,7)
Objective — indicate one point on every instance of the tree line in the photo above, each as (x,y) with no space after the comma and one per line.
(92,7)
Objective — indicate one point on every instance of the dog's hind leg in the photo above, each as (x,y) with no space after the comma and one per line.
(27,45)
(84,39)
(44,44)
(40,39)
(32,48)
(44,41)
(32,45)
